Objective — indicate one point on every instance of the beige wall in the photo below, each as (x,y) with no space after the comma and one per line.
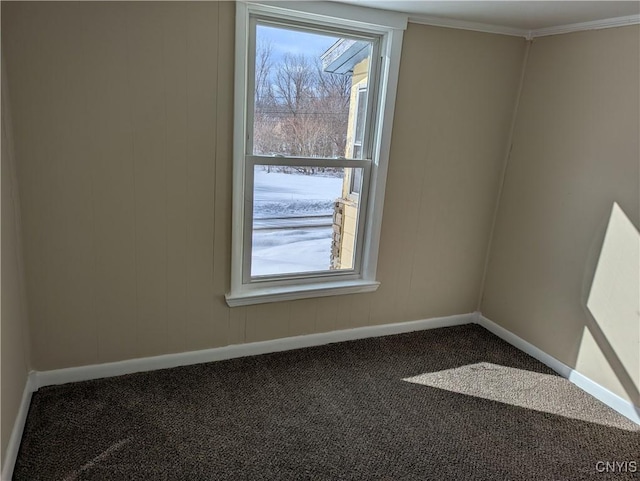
(14,357)
(122,124)
(123,129)
(454,107)
(575,154)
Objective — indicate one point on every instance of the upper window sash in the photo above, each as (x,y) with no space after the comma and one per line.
(366,141)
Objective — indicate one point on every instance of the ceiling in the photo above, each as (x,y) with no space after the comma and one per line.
(521,15)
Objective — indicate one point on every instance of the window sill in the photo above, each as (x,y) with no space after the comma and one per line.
(262,295)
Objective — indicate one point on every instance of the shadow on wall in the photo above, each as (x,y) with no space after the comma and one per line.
(612,332)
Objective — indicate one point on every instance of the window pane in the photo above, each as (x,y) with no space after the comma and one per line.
(306,92)
(356,181)
(361,112)
(302,220)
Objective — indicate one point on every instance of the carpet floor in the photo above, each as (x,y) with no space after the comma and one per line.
(455,403)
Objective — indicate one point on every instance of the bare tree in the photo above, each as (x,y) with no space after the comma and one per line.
(294,82)
(300,110)
(334,93)
(264,51)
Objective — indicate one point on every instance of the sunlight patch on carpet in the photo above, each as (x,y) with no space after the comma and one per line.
(517,387)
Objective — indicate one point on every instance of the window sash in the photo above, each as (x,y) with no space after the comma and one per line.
(251,161)
(368,127)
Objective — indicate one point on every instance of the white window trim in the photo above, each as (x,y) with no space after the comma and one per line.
(391,26)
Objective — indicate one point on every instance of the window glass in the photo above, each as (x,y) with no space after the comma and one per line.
(361,112)
(356,181)
(300,223)
(303,100)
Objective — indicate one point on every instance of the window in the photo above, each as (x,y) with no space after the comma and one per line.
(315,84)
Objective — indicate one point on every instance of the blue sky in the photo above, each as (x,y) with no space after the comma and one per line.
(293,41)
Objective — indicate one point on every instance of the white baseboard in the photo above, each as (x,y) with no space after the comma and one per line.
(13,446)
(37,380)
(601,393)
(96,371)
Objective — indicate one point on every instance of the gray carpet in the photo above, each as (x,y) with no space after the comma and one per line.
(448,404)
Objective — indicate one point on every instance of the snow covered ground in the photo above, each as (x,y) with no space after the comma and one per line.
(279,195)
(300,248)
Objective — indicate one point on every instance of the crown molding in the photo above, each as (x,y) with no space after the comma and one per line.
(520,32)
(579,27)
(464,25)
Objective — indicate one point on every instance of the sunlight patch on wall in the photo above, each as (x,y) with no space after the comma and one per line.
(592,361)
(614,301)
(526,389)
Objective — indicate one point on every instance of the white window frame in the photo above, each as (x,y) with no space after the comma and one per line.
(389,27)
